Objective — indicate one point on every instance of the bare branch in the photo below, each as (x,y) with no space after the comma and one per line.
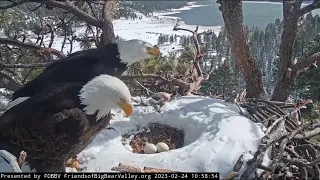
(66,5)
(304,64)
(33,47)
(199,56)
(91,9)
(33,65)
(309,8)
(13,4)
(174,81)
(51,35)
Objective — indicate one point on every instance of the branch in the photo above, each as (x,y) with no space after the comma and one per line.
(72,9)
(174,81)
(32,46)
(13,4)
(199,55)
(309,8)
(33,65)
(304,64)
(51,35)
(132,168)
(10,83)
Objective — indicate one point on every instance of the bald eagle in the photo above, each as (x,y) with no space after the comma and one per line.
(58,123)
(81,66)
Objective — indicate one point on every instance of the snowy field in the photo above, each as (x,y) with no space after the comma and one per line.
(215,136)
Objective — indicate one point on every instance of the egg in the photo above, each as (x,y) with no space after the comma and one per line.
(161,146)
(150,148)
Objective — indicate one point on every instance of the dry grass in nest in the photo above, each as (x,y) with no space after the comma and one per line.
(173,137)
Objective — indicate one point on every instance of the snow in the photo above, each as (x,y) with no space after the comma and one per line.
(4,93)
(146,28)
(190,6)
(149,28)
(215,136)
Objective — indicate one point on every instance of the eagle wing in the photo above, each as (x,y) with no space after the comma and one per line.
(47,126)
(80,66)
(72,69)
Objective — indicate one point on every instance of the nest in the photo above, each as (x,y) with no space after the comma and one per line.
(293,154)
(156,133)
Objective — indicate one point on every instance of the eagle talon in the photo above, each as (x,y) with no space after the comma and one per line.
(74,163)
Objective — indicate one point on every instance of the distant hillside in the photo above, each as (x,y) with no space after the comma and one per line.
(153,5)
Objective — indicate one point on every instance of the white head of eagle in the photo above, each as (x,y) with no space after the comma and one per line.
(104,93)
(134,50)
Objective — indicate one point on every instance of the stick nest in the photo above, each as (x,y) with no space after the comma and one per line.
(156,133)
(288,136)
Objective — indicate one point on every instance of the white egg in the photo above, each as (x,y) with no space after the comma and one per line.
(150,148)
(161,146)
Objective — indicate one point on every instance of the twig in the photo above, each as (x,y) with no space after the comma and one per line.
(148,91)
(236,169)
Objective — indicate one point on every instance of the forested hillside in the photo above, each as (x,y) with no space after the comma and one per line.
(264,44)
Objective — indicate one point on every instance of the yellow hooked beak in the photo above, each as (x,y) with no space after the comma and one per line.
(127,108)
(155,51)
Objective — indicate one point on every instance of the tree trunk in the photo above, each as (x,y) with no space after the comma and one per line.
(284,86)
(288,78)
(107,36)
(237,36)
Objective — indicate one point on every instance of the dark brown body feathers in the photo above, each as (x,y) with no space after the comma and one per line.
(51,127)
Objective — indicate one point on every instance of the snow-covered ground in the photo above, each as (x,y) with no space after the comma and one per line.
(146,28)
(215,136)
